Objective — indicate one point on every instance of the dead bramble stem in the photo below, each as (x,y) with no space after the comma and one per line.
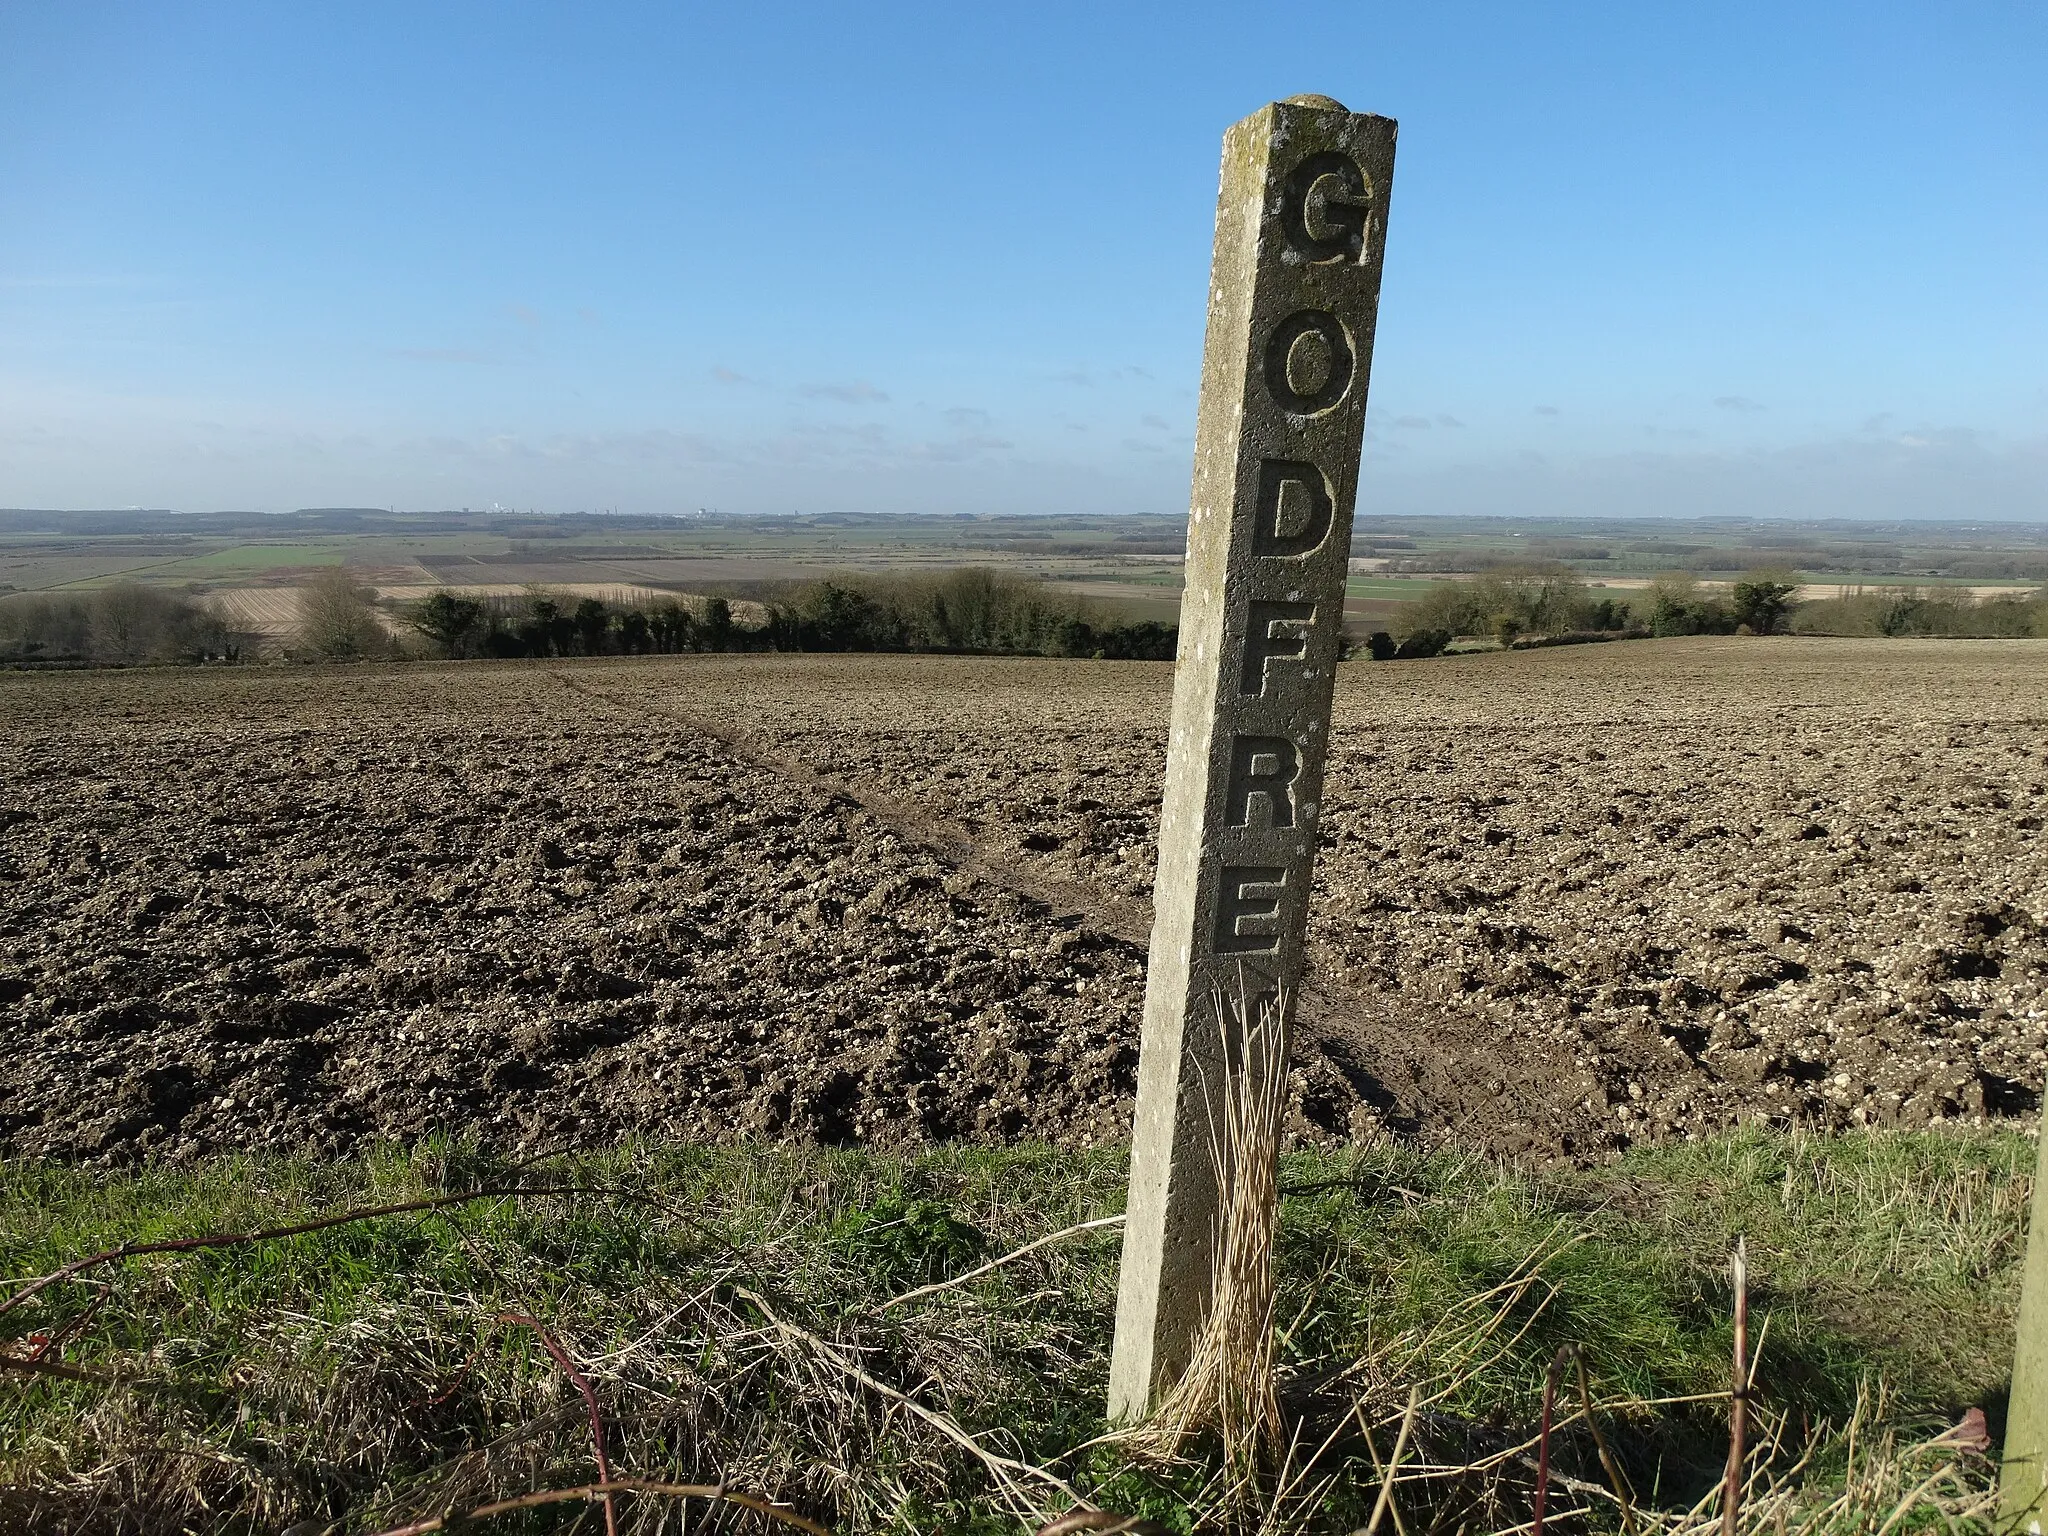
(1543,1438)
(561,1356)
(30,1365)
(1738,1407)
(1607,1461)
(54,1342)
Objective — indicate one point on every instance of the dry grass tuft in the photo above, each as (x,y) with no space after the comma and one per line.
(1227,1389)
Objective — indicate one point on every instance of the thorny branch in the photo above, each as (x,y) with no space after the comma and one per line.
(561,1356)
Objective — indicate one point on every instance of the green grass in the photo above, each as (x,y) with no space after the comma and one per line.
(254,559)
(1400,589)
(361,1375)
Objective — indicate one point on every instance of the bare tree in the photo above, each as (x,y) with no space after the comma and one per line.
(337,619)
(129,621)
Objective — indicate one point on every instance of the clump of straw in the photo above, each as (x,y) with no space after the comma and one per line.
(1228,1385)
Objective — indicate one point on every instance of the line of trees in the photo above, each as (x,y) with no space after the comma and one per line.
(974,610)
(542,624)
(1931,611)
(969,610)
(1758,605)
(123,624)
(1548,603)
(1514,601)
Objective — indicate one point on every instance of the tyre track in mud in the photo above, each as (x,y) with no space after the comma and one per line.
(1396,1066)
(948,839)
(319,912)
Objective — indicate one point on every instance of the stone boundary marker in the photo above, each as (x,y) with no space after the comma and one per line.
(1293,297)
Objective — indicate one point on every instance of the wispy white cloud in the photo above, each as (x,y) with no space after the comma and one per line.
(1086,378)
(959,450)
(860,392)
(442,355)
(868,445)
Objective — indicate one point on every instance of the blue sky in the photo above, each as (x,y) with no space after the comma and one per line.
(1643,259)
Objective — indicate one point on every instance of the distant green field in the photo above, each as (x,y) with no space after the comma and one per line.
(1400,589)
(251,559)
(443,544)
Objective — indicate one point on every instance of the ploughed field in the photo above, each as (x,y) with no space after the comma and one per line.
(1567,900)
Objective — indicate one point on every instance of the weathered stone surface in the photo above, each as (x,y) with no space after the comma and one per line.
(1293,295)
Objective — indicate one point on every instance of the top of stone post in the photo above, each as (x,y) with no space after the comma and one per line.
(1320,103)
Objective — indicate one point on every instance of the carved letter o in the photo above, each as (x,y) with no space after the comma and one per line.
(1309,362)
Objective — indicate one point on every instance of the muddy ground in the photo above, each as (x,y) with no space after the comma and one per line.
(1568,899)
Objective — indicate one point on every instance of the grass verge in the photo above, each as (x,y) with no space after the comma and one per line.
(742,1318)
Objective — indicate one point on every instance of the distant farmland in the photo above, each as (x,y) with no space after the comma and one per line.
(1128,565)
(273,611)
